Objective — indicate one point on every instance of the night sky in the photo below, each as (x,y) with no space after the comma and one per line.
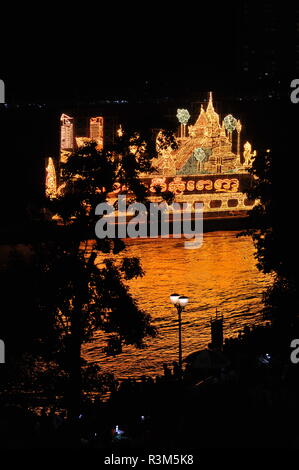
(148,54)
(117,55)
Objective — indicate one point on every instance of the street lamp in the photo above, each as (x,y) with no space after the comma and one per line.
(180,302)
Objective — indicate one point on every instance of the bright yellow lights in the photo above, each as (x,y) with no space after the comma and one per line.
(119,131)
(51,184)
(248,154)
(209,135)
(96,131)
(178,185)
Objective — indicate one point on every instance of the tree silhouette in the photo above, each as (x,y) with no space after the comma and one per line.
(274,186)
(86,291)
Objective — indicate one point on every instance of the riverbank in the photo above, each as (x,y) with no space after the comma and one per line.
(250,404)
(50,231)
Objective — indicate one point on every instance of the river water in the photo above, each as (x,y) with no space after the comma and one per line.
(222,273)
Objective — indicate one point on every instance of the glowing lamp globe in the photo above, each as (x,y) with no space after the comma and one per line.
(183,301)
(174,298)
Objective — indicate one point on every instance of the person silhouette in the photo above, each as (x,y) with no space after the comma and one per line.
(176,370)
(167,371)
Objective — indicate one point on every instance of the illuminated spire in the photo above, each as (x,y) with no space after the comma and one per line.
(212,116)
(51,185)
(210,107)
(202,119)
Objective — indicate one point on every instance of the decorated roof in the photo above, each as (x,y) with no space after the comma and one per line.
(209,146)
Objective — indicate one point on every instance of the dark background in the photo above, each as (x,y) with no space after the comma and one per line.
(143,63)
(147,53)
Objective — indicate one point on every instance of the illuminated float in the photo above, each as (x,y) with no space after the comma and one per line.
(204,167)
(210,164)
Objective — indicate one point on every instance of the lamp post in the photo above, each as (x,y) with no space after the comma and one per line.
(180,302)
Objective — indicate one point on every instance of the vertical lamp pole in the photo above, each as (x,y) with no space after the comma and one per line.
(180,302)
(238,128)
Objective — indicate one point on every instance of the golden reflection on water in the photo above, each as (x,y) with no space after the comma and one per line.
(222,274)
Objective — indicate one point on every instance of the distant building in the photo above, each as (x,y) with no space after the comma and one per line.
(67,132)
(96,130)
